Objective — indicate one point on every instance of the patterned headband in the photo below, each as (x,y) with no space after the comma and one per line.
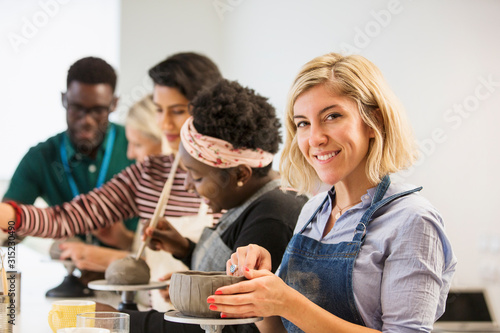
(219,153)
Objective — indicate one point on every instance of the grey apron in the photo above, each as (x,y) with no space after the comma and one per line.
(211,253)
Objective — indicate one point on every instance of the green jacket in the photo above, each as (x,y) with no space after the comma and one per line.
(41,172)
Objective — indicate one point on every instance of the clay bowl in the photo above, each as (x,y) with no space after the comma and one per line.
(189,291)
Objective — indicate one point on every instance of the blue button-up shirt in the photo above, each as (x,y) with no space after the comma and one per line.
(403,272)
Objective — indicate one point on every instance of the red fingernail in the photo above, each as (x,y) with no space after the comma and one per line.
(222,315)
(218,292)
(212,307)
(247,269)
(210,300)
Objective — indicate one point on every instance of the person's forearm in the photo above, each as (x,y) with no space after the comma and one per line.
(96,258)
(81,215)
(182,248)
(126,240)
(7,214)
(309,317)
(186,260)
(123,243)
(116,236)
(111,255)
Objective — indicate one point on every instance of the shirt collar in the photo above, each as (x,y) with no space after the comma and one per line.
(366,199)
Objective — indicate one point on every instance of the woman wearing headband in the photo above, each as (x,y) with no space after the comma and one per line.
(227,148)
(368,255)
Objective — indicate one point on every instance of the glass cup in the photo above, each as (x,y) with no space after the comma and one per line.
(82,330)
(63,313)
(5,326)
(115,322)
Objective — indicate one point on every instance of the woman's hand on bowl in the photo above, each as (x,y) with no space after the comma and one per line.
(248,257)
(262,295)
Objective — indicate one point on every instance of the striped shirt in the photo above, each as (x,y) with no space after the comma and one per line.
(133,192)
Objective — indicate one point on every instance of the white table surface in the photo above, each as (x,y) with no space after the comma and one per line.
(37,276)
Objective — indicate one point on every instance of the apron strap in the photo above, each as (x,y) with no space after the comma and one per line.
(314,214)
(379,194)
(378,201)
(360,232)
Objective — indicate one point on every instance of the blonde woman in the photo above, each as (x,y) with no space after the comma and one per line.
(143,133)
(368,255)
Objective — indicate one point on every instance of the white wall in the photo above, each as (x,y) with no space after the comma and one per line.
(39,40)
(435,54)
(151,30)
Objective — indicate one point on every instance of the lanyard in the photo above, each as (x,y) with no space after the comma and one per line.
(104,165)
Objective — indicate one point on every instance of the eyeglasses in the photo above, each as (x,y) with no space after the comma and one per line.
(79,110)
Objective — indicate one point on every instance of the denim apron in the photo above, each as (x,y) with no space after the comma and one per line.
(323,272)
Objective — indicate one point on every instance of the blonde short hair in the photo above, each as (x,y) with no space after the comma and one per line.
(391,150)
(142,117)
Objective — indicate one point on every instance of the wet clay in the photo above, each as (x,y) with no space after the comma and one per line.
(127,271)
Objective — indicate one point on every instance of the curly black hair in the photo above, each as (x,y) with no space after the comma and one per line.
(92,70)
(188,72)
(239,116)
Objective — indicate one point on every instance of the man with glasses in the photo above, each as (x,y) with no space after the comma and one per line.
(90,152)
